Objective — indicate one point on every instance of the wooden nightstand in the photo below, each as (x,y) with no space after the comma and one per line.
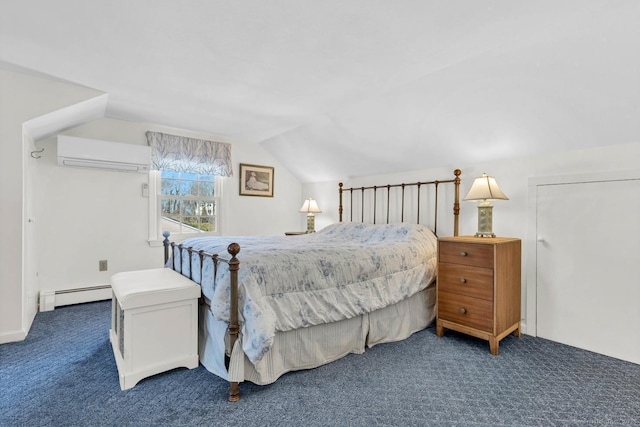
(478,287)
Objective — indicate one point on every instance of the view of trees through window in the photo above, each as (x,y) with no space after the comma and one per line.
(187,200)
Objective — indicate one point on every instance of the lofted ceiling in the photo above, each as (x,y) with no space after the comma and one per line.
(339,88)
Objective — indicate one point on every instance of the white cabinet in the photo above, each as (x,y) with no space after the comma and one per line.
(154,326)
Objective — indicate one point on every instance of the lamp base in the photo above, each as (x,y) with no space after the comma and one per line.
(485,220)
(478,234)
(311,226)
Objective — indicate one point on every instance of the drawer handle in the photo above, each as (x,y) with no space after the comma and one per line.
(463,310)
(463,280)
(463,253)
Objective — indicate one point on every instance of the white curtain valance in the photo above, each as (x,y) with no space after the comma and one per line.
(181,154)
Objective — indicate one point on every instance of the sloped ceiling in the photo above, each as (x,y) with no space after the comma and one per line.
(344,88)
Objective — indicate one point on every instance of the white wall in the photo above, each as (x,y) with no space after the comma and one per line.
(91,215)
(22,98)
(509,217)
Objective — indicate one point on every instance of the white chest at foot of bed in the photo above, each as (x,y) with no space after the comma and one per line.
(154,324)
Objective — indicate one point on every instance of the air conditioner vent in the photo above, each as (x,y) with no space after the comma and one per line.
(106,155)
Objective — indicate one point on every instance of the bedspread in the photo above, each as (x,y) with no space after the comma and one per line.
(340,272)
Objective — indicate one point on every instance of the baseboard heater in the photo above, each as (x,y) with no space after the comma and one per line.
(49,299)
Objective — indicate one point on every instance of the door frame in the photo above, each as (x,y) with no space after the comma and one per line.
(532,229)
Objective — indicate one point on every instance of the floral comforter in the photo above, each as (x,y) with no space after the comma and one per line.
(289,282)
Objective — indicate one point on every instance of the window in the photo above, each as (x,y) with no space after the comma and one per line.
(183,203)
(187,202)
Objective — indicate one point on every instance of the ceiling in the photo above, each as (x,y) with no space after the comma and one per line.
(339,88)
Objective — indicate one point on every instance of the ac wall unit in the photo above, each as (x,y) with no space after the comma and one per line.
(106,155)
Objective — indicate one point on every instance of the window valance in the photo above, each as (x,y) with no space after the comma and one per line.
(181,154)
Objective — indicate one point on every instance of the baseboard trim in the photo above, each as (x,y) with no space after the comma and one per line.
(13,336)
(523,327)
(59,298)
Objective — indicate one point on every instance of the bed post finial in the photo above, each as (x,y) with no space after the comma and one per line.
(456,203)
(233,249)
(234,327)
(165,242)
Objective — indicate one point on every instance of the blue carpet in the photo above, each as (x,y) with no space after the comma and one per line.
(64,374)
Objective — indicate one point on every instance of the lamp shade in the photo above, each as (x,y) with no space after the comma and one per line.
(485,188)
(310,206)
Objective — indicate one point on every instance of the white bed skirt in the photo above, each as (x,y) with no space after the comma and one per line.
(314,346)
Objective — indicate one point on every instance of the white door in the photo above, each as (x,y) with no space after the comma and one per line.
(588,266)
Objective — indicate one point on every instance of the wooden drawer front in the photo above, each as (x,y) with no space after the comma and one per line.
(461,279)
(466,253)
(478,313)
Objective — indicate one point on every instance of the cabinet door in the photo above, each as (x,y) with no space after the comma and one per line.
(588,286)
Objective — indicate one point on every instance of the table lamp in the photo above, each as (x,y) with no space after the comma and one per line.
(310,207)
(484,189)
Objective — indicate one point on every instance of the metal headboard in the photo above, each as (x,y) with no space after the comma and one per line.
(373,193)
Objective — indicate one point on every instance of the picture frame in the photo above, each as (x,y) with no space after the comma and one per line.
(256,180)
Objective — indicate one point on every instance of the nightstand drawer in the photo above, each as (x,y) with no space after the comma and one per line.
(466,253)
(465,280)
(473,312)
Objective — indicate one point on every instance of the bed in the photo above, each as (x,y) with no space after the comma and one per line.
(303,301)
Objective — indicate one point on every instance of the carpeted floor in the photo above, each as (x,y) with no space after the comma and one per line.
(64,374)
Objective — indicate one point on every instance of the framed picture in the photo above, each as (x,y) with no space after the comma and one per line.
(256,180)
